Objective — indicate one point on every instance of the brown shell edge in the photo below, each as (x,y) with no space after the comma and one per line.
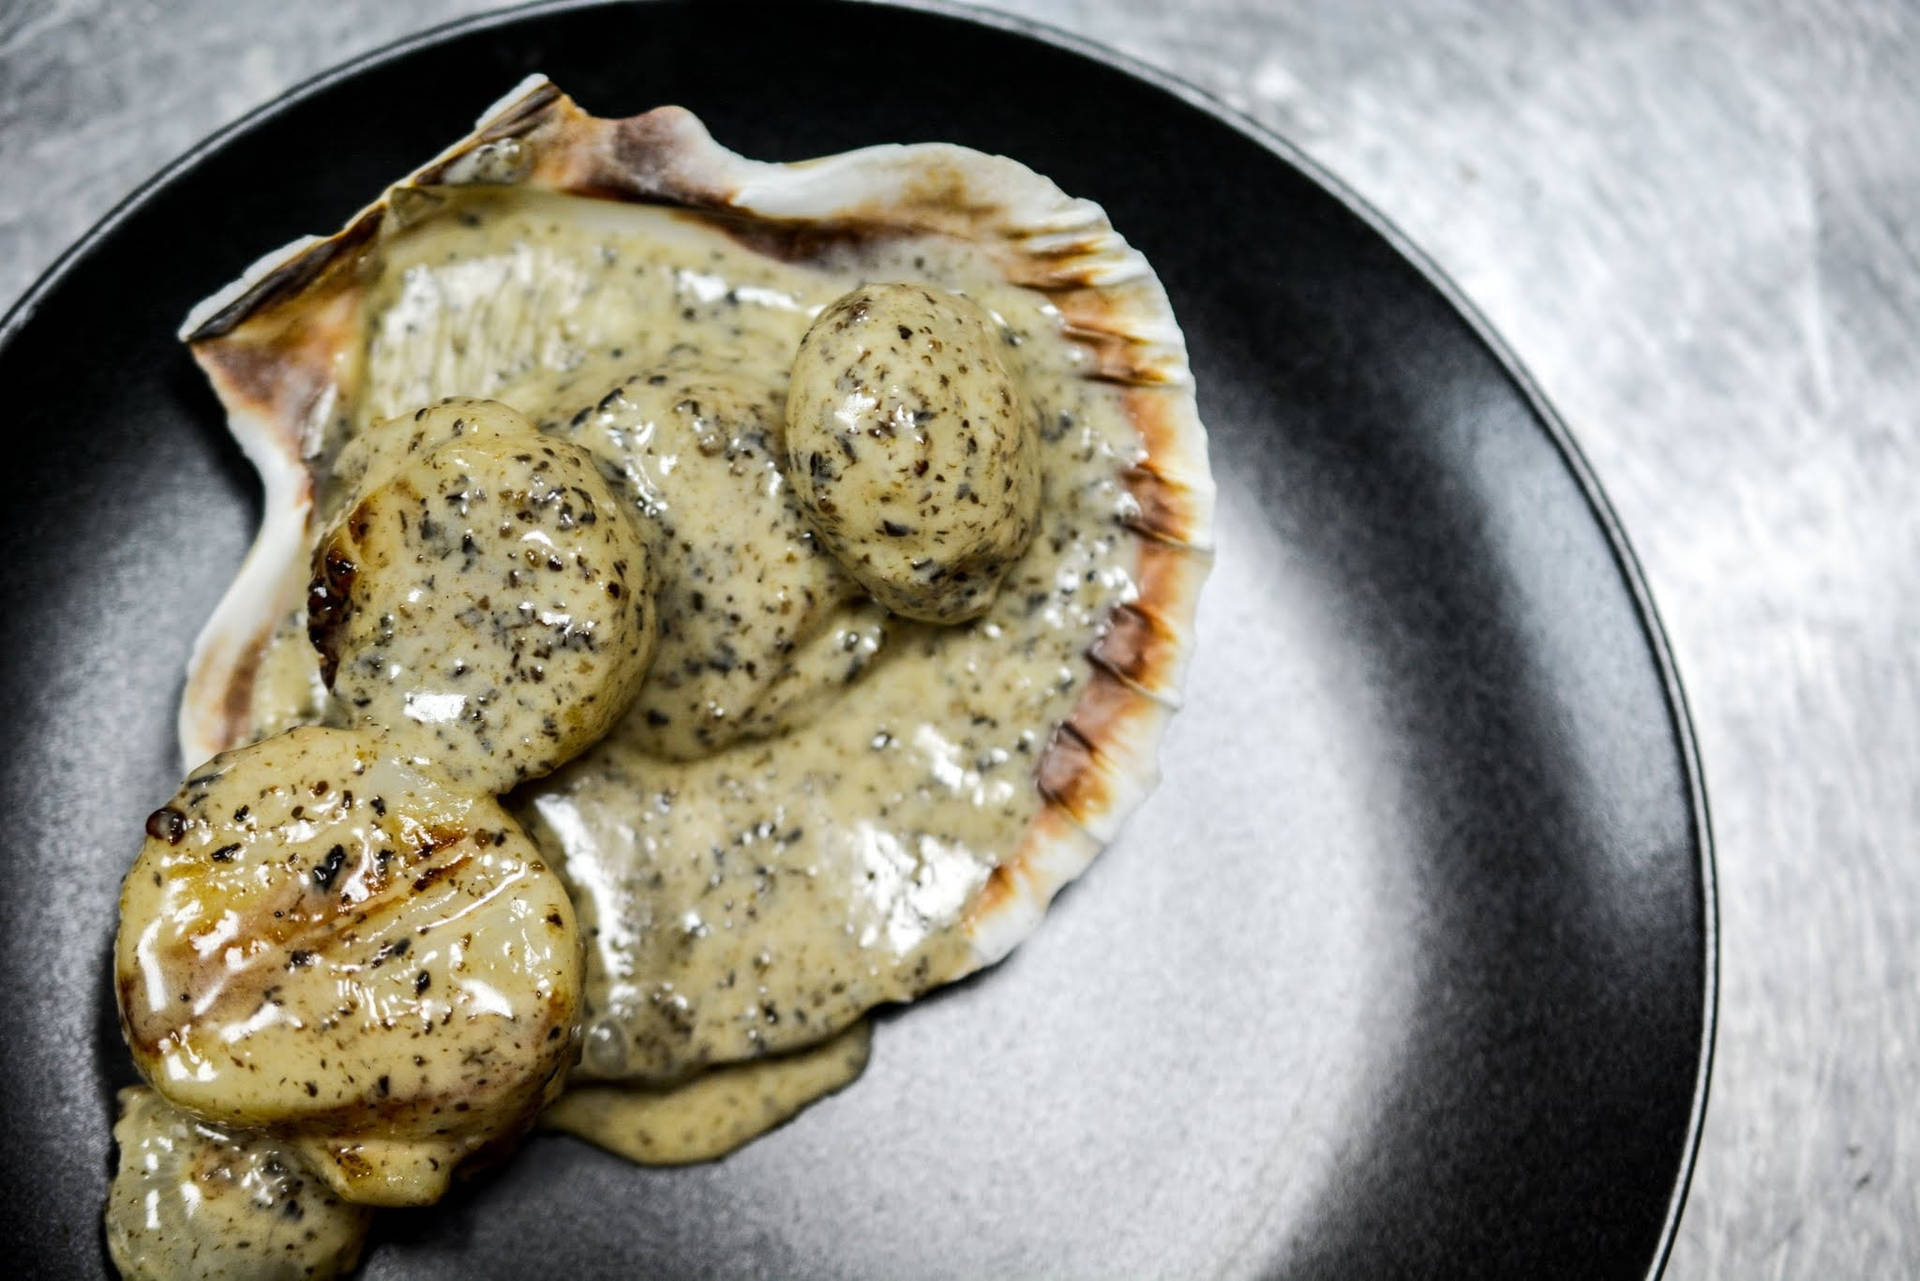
(272,365)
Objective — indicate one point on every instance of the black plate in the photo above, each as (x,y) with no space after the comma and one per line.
(1407,968)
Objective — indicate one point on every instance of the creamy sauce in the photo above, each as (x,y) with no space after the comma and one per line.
(715,1112)
(754,891)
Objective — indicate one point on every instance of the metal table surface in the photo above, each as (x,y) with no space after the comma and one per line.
(1699,226)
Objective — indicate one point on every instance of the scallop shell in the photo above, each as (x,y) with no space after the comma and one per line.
(274,344)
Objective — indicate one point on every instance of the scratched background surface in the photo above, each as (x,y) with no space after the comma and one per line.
(1699,226)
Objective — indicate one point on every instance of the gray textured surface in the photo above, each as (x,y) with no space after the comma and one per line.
(1697,226)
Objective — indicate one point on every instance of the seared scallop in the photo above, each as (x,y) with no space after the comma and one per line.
(321,940)
(911,448)
(194,1202)
(759,625)
(485,598)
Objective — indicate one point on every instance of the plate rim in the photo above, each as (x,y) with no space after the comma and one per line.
(1280,148)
